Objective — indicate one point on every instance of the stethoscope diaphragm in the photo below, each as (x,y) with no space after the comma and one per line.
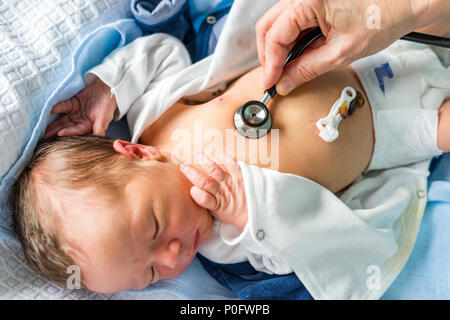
(253,120)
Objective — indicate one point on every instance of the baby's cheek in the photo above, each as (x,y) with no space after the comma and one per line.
(170,273)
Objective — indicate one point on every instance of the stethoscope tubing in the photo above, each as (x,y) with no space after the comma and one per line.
(429,39)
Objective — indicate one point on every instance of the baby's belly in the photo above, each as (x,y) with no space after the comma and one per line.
(293,144)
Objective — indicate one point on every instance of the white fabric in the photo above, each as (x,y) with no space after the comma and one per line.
(351,247)
(37,38)
(347,248)
(405,115)
(229,244)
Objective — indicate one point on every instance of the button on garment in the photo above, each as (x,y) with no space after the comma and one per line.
(260,234)
(211,19)
(420,193)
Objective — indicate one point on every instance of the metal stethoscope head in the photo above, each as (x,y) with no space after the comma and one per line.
(253,119)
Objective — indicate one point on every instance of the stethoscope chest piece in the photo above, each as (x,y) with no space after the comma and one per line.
(253,120)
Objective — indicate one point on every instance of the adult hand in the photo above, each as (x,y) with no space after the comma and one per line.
(352,29)
(220,191)
(89,111)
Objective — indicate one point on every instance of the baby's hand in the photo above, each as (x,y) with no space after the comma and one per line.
(91,110)
(220,191)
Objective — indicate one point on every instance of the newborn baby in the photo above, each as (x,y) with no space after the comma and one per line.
(129,214)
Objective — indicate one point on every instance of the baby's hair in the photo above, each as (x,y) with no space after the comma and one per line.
(61,166)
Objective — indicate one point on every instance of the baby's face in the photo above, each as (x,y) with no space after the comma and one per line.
(152,233)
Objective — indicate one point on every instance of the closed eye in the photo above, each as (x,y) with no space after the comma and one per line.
(153,274)
(157,227)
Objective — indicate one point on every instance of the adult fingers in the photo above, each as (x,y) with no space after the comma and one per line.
(262,27)
(199,180)
(299,15)
(311,64)
(279,39)
(203,198)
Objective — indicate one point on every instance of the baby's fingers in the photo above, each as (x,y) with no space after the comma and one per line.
(211,167)
(203,198)
(56,125)
(63,107)
(77,129)
(199,180)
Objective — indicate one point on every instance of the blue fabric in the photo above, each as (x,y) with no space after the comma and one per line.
(161,16)
(249,284)
(90,52)
(200,9)
(184,19)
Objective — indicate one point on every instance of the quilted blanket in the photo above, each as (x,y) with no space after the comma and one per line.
(38,40)
(37,43)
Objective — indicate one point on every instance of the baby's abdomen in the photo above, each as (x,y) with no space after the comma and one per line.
(293,145)
(334,165)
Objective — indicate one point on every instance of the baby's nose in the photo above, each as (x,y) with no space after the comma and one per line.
(169,256)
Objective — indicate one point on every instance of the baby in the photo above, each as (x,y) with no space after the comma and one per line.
(131,214)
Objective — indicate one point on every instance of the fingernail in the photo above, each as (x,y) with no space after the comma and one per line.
(263,82)
(285,86)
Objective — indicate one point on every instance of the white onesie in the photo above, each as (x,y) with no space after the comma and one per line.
(405,84)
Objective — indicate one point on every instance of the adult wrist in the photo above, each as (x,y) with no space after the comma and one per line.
(426,12)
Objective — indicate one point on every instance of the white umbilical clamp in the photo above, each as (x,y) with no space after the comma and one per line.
(328,126)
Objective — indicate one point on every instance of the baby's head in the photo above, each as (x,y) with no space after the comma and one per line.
(119,211)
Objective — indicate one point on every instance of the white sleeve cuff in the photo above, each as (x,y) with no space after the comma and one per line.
(232,235)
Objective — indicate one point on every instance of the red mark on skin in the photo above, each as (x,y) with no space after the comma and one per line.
(220,99)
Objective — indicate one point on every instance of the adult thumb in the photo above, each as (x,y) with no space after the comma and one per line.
(311,64)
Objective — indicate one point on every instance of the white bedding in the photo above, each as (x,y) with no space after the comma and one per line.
(18,281)
(37,38)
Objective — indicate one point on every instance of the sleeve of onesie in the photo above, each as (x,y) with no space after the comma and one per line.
(258,256)
(332,245)
(132,70)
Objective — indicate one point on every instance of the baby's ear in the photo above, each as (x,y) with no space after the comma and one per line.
(136,151)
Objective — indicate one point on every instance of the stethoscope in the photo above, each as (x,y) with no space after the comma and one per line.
(253,119)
